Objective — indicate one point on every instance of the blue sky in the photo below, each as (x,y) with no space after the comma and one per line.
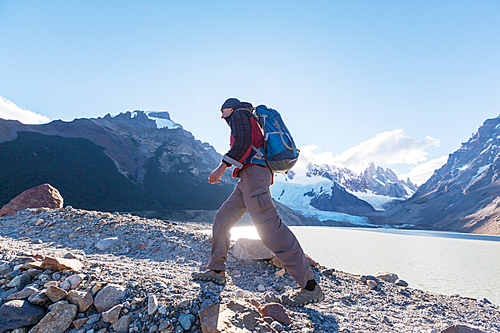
(399,83)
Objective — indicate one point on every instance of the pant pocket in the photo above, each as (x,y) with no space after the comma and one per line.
(262,199)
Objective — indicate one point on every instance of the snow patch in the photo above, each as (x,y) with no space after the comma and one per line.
(162,122)
(375,200)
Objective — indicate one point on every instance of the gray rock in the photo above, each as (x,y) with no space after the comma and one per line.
(387,276)
(183,303)
(19,282)
(122,324)
(13,274)
(108,297)
(58,319)
(401,283)
(152,304)
(20,330)
(112,314)
(107,243)
(186,321)
(72,282)
(161,285)
(4,268)
(164,325)
(15,314)
(23,294)
(93,319)
(38,298)
(277,326)
(251,249)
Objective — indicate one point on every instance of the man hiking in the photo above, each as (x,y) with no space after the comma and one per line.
(252,194)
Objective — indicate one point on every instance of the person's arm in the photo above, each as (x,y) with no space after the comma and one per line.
(241,130)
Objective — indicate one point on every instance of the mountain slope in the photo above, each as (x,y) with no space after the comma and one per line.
(463,195)
(157,158)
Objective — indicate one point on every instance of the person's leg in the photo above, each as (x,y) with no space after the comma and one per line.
(227,216)
(254,184)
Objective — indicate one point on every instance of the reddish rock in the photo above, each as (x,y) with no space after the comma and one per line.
(58,319)
(275,311)
(209,318)
(41,196)
(461,329)
(83,300)
(55,294)
(79,322)
(60,264)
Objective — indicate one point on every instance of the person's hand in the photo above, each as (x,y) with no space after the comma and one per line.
(217,173)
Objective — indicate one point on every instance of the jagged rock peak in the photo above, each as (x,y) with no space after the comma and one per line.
(158,119)
(374,178)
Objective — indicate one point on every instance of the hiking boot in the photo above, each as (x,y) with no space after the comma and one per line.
(304,297)
(219,278)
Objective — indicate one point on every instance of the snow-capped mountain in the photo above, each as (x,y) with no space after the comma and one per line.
(337,193)
(376,180)
(464,194)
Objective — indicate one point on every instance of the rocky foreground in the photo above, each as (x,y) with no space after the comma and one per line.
(71,270)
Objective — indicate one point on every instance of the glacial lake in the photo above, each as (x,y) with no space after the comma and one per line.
(440,262)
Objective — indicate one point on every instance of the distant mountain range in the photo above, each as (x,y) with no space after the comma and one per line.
(464,194)
(143,162)
(336,193)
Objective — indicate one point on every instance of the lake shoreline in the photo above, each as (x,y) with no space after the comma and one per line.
(155,257)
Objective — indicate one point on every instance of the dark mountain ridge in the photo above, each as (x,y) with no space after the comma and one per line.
(167,166)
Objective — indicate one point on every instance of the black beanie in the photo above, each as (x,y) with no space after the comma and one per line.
(230,103)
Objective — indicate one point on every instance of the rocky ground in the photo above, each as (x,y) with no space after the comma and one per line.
(123,273)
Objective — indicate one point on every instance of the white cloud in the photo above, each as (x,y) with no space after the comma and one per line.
(10,111)
(422,172)
(384,149)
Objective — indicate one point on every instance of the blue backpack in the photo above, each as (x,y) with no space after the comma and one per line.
(281,154)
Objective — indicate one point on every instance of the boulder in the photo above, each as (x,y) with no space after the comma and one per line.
(186,321)
(251,249)
(15,314)
(79,322)
(61,264)
(19,282)
(41,196)
(387,276)
(108,297)
(38,298)
(23,294)
(461,329)
(242,314)
(209,318)
(82,299)
(401,283)
(122,324)
(275,311)
(55,294)
(107,243)
(112,315)
(72,281)
(152,304)
(59,318)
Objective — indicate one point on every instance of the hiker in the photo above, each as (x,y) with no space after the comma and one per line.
(252,194)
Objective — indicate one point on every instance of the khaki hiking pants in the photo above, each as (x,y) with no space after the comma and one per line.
(252,194)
